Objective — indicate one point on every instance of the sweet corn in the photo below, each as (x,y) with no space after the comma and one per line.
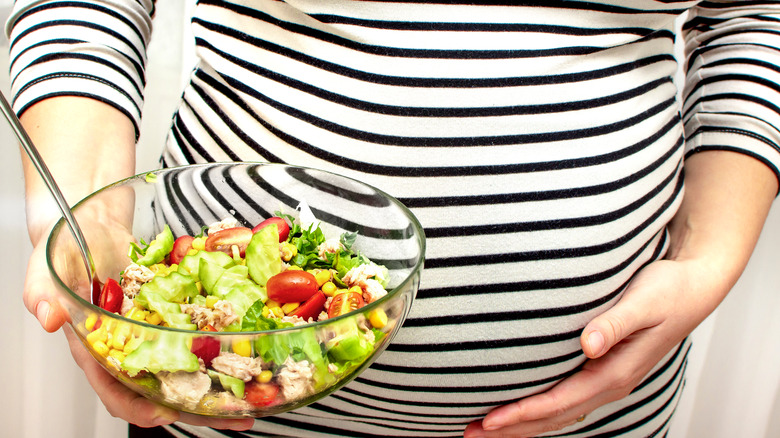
(278,312)
(242,347)
(137,314)
(356,289)
(99,335)
(289,307)
(377,318)
(272,303)
(100,348)
(266,312)
(329,289)
(118,355)
(154,318)
(322,276)
(288,251)
(89,324)
(295,268)
(199,243)
(211,301)
(265,376)
(119,338)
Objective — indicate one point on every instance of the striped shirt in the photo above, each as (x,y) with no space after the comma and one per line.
(540,143)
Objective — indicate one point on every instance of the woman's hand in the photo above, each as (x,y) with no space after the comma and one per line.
(87,145)
(623,345)
(712,235)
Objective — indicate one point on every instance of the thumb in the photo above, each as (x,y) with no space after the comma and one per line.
(616,324)
(40,293)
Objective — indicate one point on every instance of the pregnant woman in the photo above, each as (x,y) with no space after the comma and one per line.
(581,220)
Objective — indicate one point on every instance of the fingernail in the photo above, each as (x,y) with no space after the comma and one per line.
(596,342)
(42,312)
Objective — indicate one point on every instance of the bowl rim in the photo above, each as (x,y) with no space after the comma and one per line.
(60,224)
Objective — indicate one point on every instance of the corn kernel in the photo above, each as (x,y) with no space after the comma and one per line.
(154,318)
(289,307)
(278,312)
(377,318)
(199,243)
(322,276)
(266,312)
(329,289)
(242,347)
(356,289)
(211,301)
(295,268)
(119,338)
(288,251)
(100,348)
(272,303)
(118,355)
(265,376)
(89,324)
(99,335)
(137,314)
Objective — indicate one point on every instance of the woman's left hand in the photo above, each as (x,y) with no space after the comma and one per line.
(712,235)
(661,306)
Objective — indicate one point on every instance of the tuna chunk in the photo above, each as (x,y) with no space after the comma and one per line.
(183,387)
(133,277)
(295,379)
(240,367)
(221,316)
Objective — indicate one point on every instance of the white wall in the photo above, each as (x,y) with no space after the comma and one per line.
(733,387)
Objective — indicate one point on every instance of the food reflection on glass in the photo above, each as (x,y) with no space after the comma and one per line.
(238,318)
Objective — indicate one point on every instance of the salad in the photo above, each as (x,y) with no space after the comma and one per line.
(232,278)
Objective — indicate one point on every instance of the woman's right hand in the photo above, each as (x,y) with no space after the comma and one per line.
(86,145)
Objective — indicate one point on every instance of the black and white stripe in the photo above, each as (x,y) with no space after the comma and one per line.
(539,143)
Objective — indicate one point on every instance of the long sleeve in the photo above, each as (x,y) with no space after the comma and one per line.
(732,91)
(95,49)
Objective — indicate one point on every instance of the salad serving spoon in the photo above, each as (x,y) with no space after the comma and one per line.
(43,171)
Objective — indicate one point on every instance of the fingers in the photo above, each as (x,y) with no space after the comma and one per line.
(122,402)
(40,294)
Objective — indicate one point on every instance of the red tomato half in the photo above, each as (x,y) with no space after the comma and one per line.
(312,307)
(206,348)
(223,240)
(261,394)
(111,296)
(181,246)
(281,225)
(345,303)
(291,286)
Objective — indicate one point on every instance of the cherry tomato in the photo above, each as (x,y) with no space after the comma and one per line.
(281,224)
(206,348)
(223,240)
(291,286)
(312,307)
(345,303)
(111,296)
(261,394)
(96,288)
(181,246)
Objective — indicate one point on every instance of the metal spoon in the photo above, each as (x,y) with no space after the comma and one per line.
(40,166)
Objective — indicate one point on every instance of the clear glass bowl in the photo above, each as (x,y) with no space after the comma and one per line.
(190,197)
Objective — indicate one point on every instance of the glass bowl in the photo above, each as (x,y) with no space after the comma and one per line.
(297,365)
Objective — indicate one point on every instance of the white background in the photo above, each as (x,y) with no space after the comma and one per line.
(733,387)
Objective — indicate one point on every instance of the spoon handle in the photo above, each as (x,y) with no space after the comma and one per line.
(43,170)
